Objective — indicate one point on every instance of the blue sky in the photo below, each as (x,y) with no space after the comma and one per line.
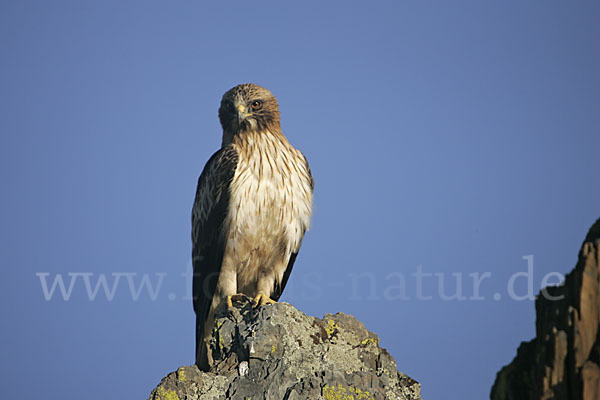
(451,138)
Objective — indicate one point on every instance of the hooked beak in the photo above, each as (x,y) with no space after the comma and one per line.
(242,113)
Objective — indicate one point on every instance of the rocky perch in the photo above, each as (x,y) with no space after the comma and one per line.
(563,360)
(277,352)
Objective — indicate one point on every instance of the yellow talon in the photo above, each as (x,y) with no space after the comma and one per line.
(234,297)
(261,299)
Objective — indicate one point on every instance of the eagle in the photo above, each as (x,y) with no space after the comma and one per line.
(252,207)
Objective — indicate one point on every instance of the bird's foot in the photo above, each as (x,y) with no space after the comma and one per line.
(261,299)
(234,297)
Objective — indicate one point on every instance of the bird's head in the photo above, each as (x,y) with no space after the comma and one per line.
(248,107)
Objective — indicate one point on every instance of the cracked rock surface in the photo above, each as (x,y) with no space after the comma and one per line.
(276,352)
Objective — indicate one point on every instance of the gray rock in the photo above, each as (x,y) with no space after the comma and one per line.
(276,352)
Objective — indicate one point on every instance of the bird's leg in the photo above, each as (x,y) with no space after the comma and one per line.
(234,297)
(264,284)
(261,299)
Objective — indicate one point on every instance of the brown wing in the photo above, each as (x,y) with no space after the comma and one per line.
(209,237)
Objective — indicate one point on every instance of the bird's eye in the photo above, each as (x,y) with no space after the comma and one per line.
(256,105)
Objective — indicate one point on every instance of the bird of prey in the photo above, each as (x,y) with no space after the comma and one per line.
(252,207)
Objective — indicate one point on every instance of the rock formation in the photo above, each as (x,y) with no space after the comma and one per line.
(276,352)
(563,360)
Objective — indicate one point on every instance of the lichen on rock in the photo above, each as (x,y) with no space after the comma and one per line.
(278,352)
